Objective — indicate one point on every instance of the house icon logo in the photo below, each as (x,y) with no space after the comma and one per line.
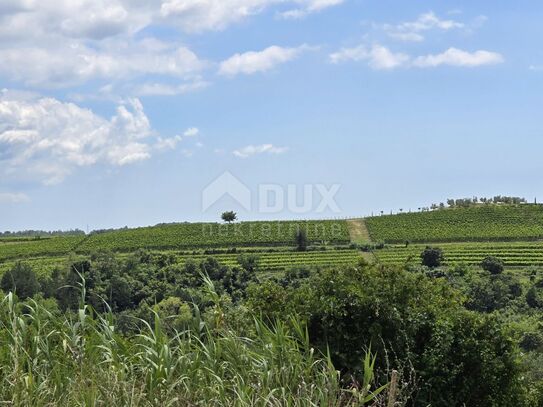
(226,184)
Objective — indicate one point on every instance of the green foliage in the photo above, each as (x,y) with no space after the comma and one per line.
(80,359)
(489,293)
(512,254)
(229,216)
(301,240)
(21,280)
(481,223)
(534,296)
(492,264)
(432,257)
(458,355)
(182,236)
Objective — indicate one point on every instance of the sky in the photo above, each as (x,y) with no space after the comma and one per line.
(135,112)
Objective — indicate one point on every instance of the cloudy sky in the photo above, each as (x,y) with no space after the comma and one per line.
(121,112)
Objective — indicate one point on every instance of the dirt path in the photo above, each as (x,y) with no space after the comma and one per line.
(358,231)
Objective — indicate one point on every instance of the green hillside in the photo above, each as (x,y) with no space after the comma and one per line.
(513,254)
(182,236)
(478,223)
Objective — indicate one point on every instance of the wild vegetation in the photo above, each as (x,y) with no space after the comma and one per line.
(205,333)
(180,315)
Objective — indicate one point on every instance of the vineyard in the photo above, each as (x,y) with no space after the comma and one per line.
(513,254)
(267,262)
(180,236)
(474,224)
(44,247)
(466,235)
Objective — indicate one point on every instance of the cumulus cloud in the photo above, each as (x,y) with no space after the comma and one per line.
(458,57)
(251,150)
(202,15)
(309,6)
(381,58)
(64,65)
(411,30)
(197,16)
(13,198)
(66,43)
(377,56)
(45,139)
(258,61)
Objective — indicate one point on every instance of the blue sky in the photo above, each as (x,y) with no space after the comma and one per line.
(122,112)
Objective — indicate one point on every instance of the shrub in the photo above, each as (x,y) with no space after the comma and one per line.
(458,355)
(492,264)
(21,280)
(432,257)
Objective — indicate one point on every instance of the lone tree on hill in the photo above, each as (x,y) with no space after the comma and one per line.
(432,257)
(301,240)
(229,216)
(492,264)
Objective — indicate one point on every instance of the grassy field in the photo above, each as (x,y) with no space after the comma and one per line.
(482,223)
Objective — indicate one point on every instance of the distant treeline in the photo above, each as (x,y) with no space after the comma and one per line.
(466,202)
(42,233)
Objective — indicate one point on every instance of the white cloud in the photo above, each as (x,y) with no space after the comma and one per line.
(13,198)
(191,132)
(169,143)
(258,61)
(411,31)
(251,150)
(406,37)
(378,56)
(67,43)
(172,142)
(202,15)
(162,89)
(310,6)
(458,57)
(45,139)
(197,16)
(381,58)
(74,64)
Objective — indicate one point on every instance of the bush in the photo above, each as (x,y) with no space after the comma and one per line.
(534,297)
(458,355)
(21,280)
(492,264)
(432,257)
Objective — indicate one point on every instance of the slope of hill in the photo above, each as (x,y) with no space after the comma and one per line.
(183,236)
(479,223)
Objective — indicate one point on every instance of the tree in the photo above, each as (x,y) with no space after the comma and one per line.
(492,264)
(301,240)
(21,280)
(229,216)
(534,297)
(432,257)
(459,356)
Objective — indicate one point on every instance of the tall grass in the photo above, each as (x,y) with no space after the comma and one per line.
(80,359)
